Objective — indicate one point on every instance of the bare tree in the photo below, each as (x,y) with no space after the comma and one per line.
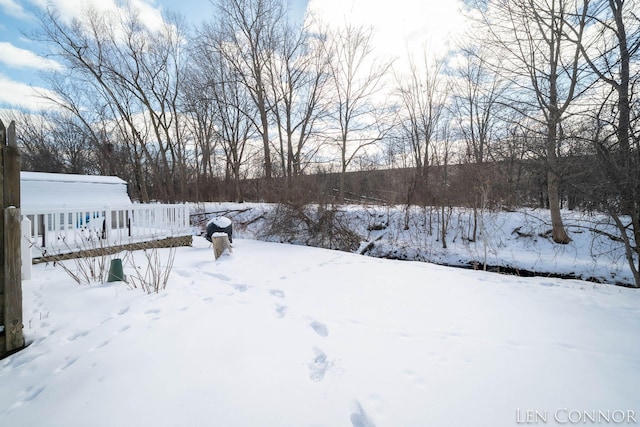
(356,82)
(423,99)
(59,142)
(236,128)
(136,71)
(108,123)
(531,38)
(221,88)
(298,80)
(203,123)
(477,90)
(442,153)
(149,67)
(611,54)
(39,151)
(476,106)
(250,29)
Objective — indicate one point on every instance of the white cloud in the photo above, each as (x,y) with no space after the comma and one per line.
(401,27)
(150,15)
(12,8)
(21,96)
(16,57)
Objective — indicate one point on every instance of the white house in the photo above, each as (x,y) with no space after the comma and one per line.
(68,212)
(40,190)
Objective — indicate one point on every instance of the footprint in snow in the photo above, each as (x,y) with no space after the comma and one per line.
(77,335)
(359,418)
(31,393)
(320,328)
(22,359)
(68,362)
(277,293)
(319,366)
(124,328)
(99,346)
(240,287)
(183,273)
(154,314)
(281,311)
(219,276)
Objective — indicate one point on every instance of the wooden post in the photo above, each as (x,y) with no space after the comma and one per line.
(25,248)
(10,235)
(12,280)
(220,244)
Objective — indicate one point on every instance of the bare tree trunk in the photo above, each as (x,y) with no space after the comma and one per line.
(559,234)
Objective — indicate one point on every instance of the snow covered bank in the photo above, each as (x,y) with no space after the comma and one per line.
(516,240)
(283,335)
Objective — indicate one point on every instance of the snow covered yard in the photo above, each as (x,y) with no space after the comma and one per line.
(283,335)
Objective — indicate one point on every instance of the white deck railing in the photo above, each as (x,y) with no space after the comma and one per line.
(55,231)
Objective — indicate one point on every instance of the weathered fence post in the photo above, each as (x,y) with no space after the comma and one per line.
(11,337)
(25,248)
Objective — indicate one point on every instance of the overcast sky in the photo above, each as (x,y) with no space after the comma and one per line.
(400,26)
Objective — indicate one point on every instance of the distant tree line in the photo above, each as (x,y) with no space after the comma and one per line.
(540,106)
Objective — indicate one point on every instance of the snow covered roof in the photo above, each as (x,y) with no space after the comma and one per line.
(59,190)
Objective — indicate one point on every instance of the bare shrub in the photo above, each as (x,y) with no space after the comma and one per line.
(92,262)
(88,269)
(323,226)
(153,275)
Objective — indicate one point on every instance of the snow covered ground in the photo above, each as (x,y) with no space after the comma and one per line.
(283,335)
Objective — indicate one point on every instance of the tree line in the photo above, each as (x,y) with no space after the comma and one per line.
(249,103)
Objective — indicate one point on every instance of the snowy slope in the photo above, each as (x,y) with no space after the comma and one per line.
(283,335)
(518,240)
